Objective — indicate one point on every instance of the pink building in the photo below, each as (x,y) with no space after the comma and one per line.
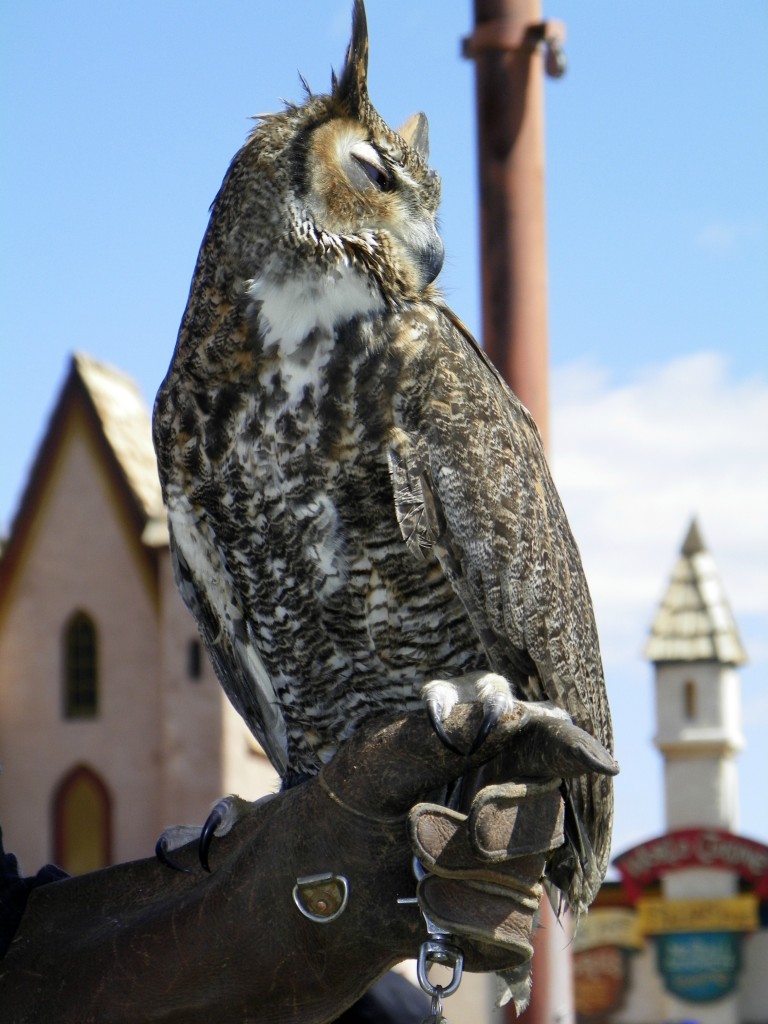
(112,723)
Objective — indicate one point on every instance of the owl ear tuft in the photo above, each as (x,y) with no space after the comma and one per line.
(351,88)
(415,132)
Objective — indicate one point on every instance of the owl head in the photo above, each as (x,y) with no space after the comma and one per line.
(329,181)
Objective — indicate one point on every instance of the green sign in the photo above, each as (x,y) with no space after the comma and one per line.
(699,967)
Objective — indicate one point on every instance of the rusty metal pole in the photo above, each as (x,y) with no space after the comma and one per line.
(506,46)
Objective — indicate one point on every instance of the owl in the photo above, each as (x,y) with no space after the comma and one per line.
(361,514)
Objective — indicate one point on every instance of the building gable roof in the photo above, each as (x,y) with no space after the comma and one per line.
(694,621)
(118,422)
(126,425)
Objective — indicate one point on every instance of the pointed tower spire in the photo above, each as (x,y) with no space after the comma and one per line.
(693,542)
(694,621)
(695,648)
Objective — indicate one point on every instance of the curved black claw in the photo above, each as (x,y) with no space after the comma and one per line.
(162,855)
(439,728)
(212,822)
(488,724)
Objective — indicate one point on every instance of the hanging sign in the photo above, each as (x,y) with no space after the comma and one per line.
(657,916)
(604,926)
(694,847)
(699,967)
(602,947)
(600,980)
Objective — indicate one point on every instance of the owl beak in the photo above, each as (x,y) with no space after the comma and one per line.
(429,257)
(351,88)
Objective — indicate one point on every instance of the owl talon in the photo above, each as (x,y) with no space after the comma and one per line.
(488,724)
(437,725)
(207,833)
(161,852)
(224,814)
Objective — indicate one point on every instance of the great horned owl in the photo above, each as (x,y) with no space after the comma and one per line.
(358,505)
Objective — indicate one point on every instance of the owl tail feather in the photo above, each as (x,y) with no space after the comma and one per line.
(572,869)
(514,986)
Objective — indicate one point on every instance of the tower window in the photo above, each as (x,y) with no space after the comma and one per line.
(690,700)
(194,659)
(80,682)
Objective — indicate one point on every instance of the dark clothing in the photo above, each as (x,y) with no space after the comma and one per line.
(14,893)
(392,1000)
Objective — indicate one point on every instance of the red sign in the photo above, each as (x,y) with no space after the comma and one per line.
(694,847)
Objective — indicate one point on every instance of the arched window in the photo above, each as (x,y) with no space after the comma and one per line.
(81,670)
(82,822)
(690,700)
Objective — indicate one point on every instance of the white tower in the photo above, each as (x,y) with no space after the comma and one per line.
(695,648)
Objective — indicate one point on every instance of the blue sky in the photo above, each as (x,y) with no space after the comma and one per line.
(118,122)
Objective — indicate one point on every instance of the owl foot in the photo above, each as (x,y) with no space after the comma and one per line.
(491,690)
(223,816)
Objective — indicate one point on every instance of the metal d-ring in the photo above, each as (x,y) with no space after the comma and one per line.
(321,898)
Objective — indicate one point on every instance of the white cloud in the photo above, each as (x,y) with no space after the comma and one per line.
(720,237)
(634,462)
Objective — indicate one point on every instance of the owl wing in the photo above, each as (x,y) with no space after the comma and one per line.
(236,662)
(471,483)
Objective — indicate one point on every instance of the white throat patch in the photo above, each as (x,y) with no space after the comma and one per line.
(292,309)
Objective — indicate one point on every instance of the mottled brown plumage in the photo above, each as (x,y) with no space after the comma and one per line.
(357,502)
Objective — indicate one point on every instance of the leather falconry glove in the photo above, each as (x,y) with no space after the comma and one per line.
(484,871)
(300,913)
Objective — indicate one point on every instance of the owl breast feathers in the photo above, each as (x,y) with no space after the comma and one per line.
(357,502)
